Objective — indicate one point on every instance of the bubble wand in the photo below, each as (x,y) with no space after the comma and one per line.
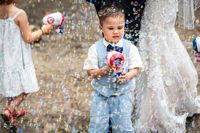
(116,61)
(56,19)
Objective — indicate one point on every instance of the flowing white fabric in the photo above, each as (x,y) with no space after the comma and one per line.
(166,89)
(186,14)
(186,9)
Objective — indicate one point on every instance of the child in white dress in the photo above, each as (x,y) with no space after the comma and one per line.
(17,72)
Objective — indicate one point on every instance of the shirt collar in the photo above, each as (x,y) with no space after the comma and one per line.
(106,43)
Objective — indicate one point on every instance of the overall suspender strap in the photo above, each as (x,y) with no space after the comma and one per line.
(13,18)
(16,14)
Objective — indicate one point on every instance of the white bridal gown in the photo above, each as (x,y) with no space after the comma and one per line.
(166,89)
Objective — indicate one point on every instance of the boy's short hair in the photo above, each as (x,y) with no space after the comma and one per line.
(110,10)
(7,2)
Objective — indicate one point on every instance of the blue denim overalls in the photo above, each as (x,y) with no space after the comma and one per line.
(111,101)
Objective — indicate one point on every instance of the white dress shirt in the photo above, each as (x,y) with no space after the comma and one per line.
(91,61)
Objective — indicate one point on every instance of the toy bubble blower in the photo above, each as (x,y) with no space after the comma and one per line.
(56,19)
(115,60)
(196,48)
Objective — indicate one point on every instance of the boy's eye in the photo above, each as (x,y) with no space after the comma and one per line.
(110,28)
(119,28)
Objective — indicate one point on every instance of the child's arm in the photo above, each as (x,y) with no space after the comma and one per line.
(129,75)
(28,36)
(135,65)
(98,73)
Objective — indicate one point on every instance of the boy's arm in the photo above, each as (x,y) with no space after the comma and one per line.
(132,73)
(98,73)
(91,64)
(135,65)
(135,60)
(129,75)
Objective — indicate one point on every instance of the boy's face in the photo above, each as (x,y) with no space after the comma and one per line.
(113,28)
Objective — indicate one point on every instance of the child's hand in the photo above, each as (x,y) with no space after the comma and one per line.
(106,70)
(47,28)
(124,77)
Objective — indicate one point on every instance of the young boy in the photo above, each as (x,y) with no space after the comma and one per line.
(133,11)
(111,99)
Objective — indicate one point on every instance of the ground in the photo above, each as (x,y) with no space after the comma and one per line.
(62,104)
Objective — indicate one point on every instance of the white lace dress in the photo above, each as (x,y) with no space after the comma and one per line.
(17,73)
(166,89)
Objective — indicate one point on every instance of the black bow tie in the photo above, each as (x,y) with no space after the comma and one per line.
(115,48)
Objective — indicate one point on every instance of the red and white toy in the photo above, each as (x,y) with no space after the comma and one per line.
(56,19)
(115,60)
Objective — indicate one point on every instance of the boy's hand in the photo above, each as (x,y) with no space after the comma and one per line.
(124,77)
(106,70)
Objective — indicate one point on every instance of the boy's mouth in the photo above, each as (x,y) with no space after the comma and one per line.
(115,36)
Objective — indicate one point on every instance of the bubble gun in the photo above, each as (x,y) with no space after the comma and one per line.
(56,19)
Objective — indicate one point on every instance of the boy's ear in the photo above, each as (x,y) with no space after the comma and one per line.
(100,27)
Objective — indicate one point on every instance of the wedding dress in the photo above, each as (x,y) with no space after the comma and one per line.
(166,88)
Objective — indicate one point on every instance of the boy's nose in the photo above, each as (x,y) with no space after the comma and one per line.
(115,31)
